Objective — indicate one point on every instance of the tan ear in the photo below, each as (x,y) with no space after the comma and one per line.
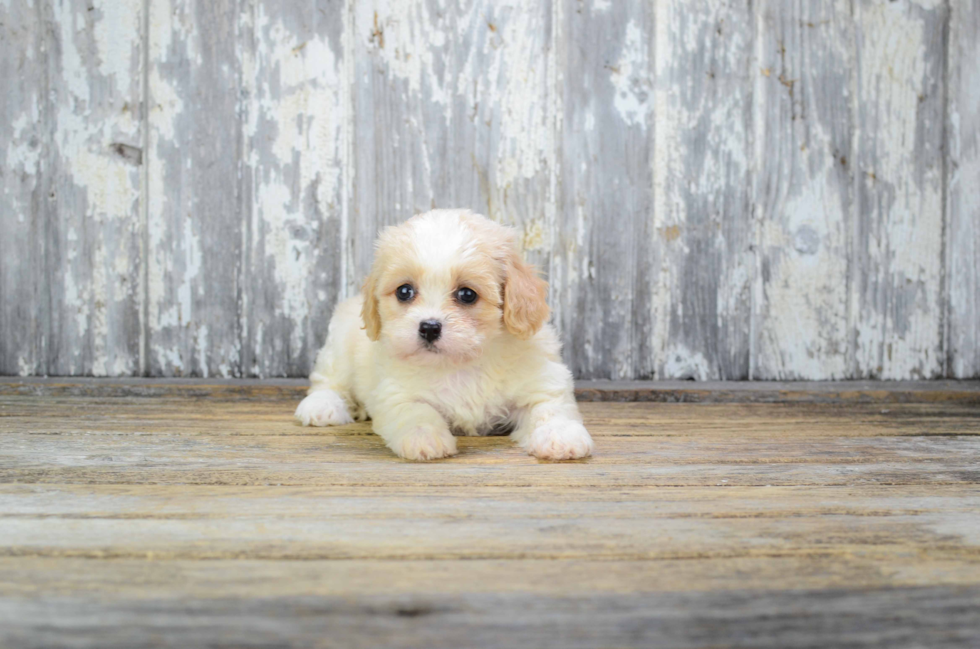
(369,308)
(525,298)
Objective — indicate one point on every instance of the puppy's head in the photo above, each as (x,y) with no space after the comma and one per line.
(444,283)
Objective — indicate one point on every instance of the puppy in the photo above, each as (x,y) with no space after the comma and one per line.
(448,337)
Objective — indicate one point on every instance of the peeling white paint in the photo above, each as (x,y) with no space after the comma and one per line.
(701,160)
(634,89)
(803,209)
(20,154)
(589,123)
(488,80)
(533,236)
(99,322)
(175,243)
(98,190)
(117,53)
(192,262)
(303,160)
(77,298)
(166,107)
(110,184)
(26,367)
(76,79)
(409,38)
(203,348)
(905,246)
(806,300)
(510,75)
(963,197)
(168,357)
(682,363)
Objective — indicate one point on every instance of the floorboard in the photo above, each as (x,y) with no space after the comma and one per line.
(183,514)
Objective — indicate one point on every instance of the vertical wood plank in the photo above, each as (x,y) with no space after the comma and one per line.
(896,297)
(292,60)
(803,187)
(22,193)
(92,249)
(503,137)
(451,110)
(605,181)
(403,109)
(194,200)
(963,193)
(702,189)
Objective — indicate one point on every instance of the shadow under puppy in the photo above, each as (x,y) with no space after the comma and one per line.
(448,336)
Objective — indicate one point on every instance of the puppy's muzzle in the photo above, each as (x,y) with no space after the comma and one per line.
(430,330)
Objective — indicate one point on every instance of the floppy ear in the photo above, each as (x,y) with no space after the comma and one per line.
(369,309)
(525,298)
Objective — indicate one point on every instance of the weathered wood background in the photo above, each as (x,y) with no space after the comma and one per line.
(717,189)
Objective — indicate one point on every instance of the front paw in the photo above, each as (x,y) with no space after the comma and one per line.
(323,408)
(560,439)
(424,443)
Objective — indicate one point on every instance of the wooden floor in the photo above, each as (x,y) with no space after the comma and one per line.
(178,514)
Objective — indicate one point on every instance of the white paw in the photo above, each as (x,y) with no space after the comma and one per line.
(323,408)
(560,439)
(424,443)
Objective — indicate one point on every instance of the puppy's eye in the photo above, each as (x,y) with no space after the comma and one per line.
(466,295)
(405,293)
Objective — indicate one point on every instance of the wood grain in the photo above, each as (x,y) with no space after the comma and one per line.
(404,76)
(716,190)
(292,61)
(488,523)
(962,198)
(192,516)
(92,251)
(895,617)
(452,109)
(503,153)
(194,196)
(23,190)
(897,239)
(703,294)
(607,115)
(803,188)
(829,392)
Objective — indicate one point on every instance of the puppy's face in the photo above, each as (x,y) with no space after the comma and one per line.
(446,282)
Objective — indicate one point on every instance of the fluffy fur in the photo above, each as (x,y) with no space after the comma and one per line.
(496,364)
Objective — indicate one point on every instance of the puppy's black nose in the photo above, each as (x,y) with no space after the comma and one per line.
(430,330)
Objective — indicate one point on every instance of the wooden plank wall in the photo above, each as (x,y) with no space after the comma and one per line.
(720,189)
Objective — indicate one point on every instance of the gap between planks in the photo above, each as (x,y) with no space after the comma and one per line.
(964,392)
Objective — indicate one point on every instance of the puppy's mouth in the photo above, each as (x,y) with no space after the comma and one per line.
(432,348)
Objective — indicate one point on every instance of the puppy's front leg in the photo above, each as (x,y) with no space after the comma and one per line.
(414,431)
(323,407)
(551,429)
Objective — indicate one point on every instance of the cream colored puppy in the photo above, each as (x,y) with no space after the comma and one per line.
(449,336)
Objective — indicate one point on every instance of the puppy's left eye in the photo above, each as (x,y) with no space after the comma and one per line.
(405,293)
(466,295)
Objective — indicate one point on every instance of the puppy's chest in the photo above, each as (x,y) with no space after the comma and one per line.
(471,404)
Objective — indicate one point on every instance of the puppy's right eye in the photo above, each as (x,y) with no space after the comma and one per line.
(405,293)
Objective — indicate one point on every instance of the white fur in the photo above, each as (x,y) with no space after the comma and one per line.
(323,408)
(481,377)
